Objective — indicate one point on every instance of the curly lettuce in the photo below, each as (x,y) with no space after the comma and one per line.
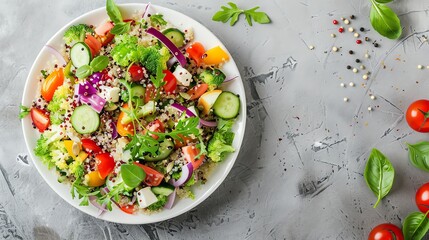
(50,149)
(162,200)
(58,106)
(221,143)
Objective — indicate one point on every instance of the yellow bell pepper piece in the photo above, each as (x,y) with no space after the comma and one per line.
(69,146)
(94,179)
(215,56)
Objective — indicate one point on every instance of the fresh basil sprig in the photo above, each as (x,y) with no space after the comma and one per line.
(384,20)
(234,13)
(415,226)
(379,174)
(115,15)
(97,65)
(419,155)
(132,175)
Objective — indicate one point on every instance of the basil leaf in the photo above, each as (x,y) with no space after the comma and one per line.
(84,71)
(419,155)
(120,28)
(113,11)
(385,21)
(415,226)
(379,174)
(99,63)
(383,1)
(132,175)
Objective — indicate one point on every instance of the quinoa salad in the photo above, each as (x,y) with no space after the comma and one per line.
(132,114)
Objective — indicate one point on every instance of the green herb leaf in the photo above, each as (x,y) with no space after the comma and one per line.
(44,73)
(385,21)
(157,19)
(259,17)
(24,111)
(113,11)
(383,1)
(132,175)
(415,226)
(158,80)
(84,71)
(99,63)
(185,126)
(233,13)
(379,174)
(120,28)
(141,144)
(419,155)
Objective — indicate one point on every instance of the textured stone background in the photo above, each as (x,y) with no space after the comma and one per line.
(299,173)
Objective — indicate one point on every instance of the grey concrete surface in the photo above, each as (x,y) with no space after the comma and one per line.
(299,174)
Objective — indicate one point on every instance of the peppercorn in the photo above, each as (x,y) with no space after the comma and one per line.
(367,39)
(351,52)
(357,60)
(376,45)
(349,67)
(352,17)
(358,41)
(362,29)
(335,22)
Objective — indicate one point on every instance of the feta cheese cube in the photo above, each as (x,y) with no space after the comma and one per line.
(145,197)
(110,94)
(183,76)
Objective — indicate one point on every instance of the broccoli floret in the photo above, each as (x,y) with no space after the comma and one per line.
(58,106)
(76,33)
(213,77)
(221,143)
(152,58)
(162,200)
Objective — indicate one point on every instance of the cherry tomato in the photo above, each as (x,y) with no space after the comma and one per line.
(386,231)
(136,72)
(422,198)
(93,44)
(103,29)
(124,130)
(155,126)
(153,177)
(40,119)
(90,146)
(417,114)
(150,93)
(171,82)
(215,56)
(51,83)
(105,40)
(95,180)
(197,91)
(105,164)
(128,209)
(196,52)
(185,141)
(190,152)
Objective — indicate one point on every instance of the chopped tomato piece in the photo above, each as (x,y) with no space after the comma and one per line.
(95,180)
(197,91)
(215,56)
(196,52)
(128,209)
(51,83)
(105,164)
(127,129)
(155,126)
(190,152)
(136,72)
(90,146)
(153,177)
(40,119)
(104,28)
(171,82)
(93,44)
(150,93)
(106,39)
(186,140)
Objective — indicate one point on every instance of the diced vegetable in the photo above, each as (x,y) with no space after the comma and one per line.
(215,56)
(164,189)
(213,77)
(165,149)
(183,76)
(207,100)
(102,29)
(196,52)
(94,179)
(190,153)
(197,91)
(96,102)
(105,164)
(227,105)
(51,83)
(153,177)
(145,197)
(93,44)
(127,129)
(40,119)
(142,111)
(176,36)
(85,120)
(90,146)
(80,54)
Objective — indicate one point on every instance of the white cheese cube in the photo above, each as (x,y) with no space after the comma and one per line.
(145,197)
(110,94)
(183,76)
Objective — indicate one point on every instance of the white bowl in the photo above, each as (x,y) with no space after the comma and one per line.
(203,35)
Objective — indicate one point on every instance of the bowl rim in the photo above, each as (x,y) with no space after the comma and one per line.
(198,200)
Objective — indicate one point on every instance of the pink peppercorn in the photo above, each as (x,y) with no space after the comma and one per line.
(358,41)
(335,22)
(341,29)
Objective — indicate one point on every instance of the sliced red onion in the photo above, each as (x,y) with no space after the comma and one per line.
(184,176)
(95,78)
(170,45)
(57,54)
(171,62)
(133,200)
(183,109)
(170,200)
(230,79)
(208,123)
(101,208)
(86,89)
(146,10)
(114,131)
(96,102)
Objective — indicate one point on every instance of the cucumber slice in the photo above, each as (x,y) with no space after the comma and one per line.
(142,111)
(138,90)
(227,105)
(80,54)
(165,149)
(85,120)
(164,189)
(176,36)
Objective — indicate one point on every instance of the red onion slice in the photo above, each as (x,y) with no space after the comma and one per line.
(95,78)
(230,79)
(101,208)
(146,10)
(58,55)
(96,102)
(183,109)
(114,131)
(185,175)
(170,200)
(170,45)
(208,123)
(86,89)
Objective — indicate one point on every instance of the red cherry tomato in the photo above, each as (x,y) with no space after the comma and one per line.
(105,164)
(197,91)
(196,52)
(90,146)
(40,119)
(190,152)
(150,93)
(137,72)
(153,177)
(128,209)
(171,82)
(386,231)
(422,198)
(93,44)
(417,115)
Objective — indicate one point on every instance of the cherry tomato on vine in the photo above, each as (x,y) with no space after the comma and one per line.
(417,115)
(386,231)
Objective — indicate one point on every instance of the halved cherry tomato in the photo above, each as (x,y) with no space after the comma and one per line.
(190,152)
(95,180)
(105,164)
(422,198)
(40,119)
(124,130)
(150,93)
(215,56)
(101,30)
(418,115)
(197,91)
(51,83)
(106,39)
(155,126)
(136,72)
(153,177)
(128,209)
(386,231)
(186,140)
(196,52)
(93,44)
(90,146)
(171,82)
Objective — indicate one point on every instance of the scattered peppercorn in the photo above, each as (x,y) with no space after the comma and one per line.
(376,45)
(349,67)
(357,60)
(341,29)
(335,22)
(351,52)
(358,41)
(362,29)
(352,17)
(367,39)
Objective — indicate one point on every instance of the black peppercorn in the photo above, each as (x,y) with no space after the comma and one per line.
(349,67)
(351,52)
(362,29)
(352,17)
(357,60)
(376,45)
(367,39)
